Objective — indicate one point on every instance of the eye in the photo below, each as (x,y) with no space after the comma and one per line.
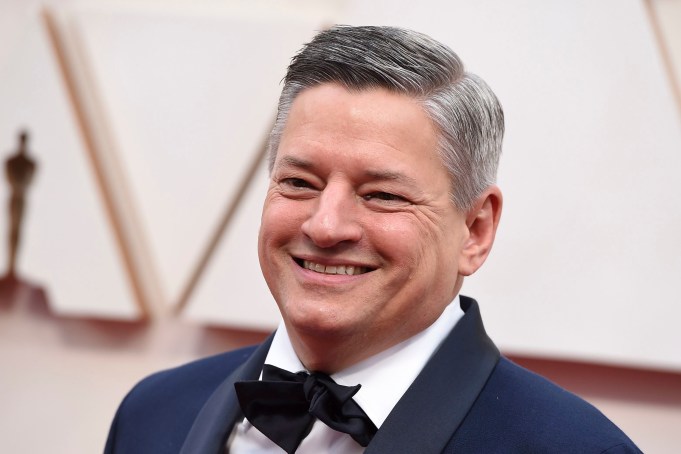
(384,197)
(297,188)
(296,183)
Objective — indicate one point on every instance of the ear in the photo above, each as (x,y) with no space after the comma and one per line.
(482,221)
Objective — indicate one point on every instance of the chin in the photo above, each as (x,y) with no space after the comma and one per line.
(317,323)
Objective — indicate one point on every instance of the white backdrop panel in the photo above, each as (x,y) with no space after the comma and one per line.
(67,244)
(190,98)
(233,291)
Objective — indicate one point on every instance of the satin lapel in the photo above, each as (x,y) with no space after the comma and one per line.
(221,411)
(434,406)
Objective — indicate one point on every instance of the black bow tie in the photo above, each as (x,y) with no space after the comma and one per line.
(284,406)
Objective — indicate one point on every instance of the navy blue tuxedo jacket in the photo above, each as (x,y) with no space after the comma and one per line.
(468,399)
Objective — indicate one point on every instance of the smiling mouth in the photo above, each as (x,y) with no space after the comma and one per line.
(349,270)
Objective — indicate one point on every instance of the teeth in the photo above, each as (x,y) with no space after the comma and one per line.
(334,269)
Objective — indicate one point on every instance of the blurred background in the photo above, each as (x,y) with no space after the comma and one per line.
(138,187)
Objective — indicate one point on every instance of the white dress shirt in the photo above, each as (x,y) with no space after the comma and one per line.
(384,377)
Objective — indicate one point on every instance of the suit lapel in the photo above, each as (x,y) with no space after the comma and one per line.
(434,406)
(221,411)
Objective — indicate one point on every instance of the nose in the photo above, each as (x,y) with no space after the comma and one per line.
(333,219)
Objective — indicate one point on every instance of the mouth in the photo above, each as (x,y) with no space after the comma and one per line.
(345,270)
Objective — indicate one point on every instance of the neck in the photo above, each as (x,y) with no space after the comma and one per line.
(329,354)
(332,353)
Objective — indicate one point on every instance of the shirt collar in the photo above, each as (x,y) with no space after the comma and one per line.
(384,377)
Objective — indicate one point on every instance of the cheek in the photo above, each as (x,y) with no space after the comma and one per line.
(280,220)
(403,249)
(409,240)
(275,232)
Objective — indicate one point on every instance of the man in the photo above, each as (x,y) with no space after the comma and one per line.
(382,199)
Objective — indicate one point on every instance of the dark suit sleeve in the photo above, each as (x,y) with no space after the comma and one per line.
(623,448)
(110,447)
(520,412)
(158,413)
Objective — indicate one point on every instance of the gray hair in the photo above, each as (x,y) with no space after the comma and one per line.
(463,107)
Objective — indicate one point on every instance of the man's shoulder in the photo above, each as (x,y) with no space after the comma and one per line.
(188,385)
(204,372)
(158,412)
(525,411)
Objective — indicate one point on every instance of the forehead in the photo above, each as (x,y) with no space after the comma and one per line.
(368,123)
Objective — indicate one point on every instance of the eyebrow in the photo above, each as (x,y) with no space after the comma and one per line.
(389,175)
(292,161)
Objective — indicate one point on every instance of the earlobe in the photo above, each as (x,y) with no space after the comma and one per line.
(482,221)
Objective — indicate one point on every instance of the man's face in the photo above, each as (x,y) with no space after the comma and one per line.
(359,240)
